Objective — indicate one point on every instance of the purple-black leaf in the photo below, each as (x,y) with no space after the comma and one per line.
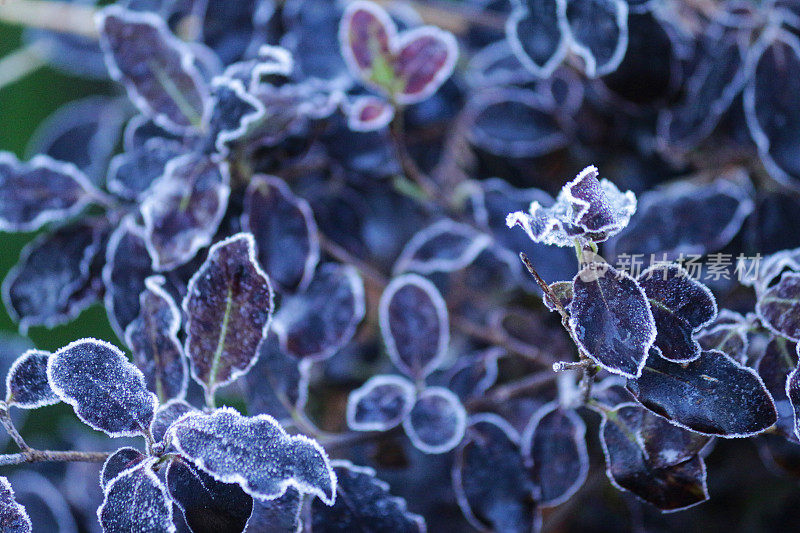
(414,324)
(53,281)
(153,339)
(314,324)
(680,306)
(127,266)
(26,383)
(777,362)
(136,500)
(13,516)
(208,505)
(665,444)
(726,333)
(444,246)
(611,319)
(254,452)
(131,174)
(285,232)
(234,112)
(165,415)
(184,208)
(793,393)
(538,34)
(363,503)
(779,306)
(106,391)
(554,442)
(280,515)
(599,33)
(713,395)
(277,384)
(436,422)
(119,461)
(490,480)
(473,374)
(380,404)
(157,69)
(40,191)
(229,306)
(669,488)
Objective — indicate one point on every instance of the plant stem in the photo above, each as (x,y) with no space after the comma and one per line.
(410,168)
(42,456)
(8,424)
(53,15)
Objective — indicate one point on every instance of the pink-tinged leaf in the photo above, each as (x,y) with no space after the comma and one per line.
(184,208)
(254,452)
(228,306)
(369,113)
(13,516)
(366,34)
(284,230)
(157,69)
(153,339)
(425,58)
(40,191)
(136,500)
(106,391)
(26,383)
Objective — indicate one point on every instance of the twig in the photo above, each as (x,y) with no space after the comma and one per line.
(42,456)
(63,17)
(503,393)
(8,424)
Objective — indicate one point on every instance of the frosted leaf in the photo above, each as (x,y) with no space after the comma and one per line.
(473,374)
(408,66)
(157,69)
(13,516)
(315,323)
(119,461)
(414,324)
(490,481)
(26,383)
(681,306)
(165,415)
(207,504)
(444,246)
(106,391)
(793,394)
(40,191)
(235,112)
(363,499)
(284,230)
(611,318)
(184,208)
(380,404)
(127,266)
(599,33)
(627,466)
(665,444)
(132,173)
(53,280)
(368,113)
(779,306)
(586,208)
(254,452)
(229,306)
(436,422)
(713,395)
(554,443)
(538,34)
(153,339)
(136,500)
(46,506)
(726,333)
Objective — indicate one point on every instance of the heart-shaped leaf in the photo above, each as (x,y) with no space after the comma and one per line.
(713,395)
(611,319)
(254,452)
(380,404)
(106,391)
(40,191)
(229,307)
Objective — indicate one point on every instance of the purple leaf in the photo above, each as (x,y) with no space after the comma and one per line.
(153,339)
(380,404)
(156,68)
(184,208)
(779,307)
(26,383)
(414,324)
(40,191)
(229,307)
(539,35)
(436,422)
(165,415)
(368,113)
(234,113)
(285,232)
(254,452)
(599,32)
(136,500)
(444,246)
(106,391)
(119,461)
(13,516)
(277,516)
(131,174)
